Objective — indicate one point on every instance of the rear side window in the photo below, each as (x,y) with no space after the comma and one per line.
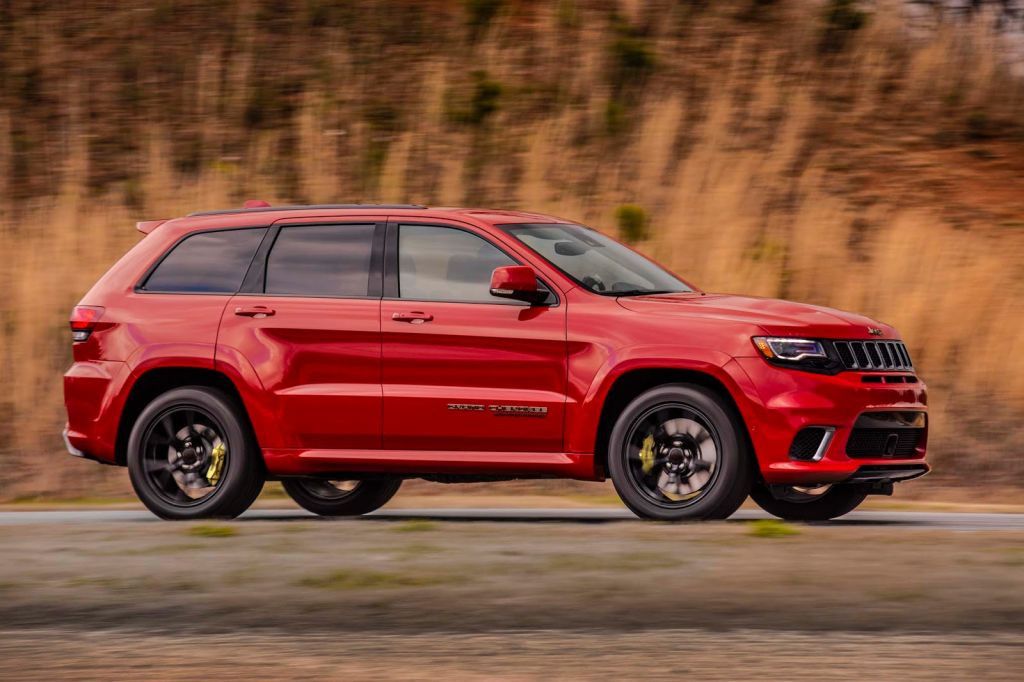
(208,262)
(321,260)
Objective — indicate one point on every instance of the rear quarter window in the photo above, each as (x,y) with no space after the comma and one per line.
(207,263)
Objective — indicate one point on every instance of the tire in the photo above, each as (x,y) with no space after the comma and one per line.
(702,420)
(797,505)
(321,497)
(150,461)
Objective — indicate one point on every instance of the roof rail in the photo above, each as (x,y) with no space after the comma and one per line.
(303,207)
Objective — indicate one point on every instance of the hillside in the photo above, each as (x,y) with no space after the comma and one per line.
(828,152)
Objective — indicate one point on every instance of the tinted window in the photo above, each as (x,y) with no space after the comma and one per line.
(209,262)
(445,264)
(321,260)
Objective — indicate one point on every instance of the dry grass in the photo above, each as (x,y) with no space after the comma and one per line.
(887,178)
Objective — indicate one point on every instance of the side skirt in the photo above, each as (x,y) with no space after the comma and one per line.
(287,462)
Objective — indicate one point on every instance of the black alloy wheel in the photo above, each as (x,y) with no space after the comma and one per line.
(808,503)
(678,452)
(191,455)
(333,497)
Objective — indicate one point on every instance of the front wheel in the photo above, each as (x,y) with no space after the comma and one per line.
(678,452)
(821,503)
(340,498)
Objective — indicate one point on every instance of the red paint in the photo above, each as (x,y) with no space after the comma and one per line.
(316,364)
(389,385)
(515,282)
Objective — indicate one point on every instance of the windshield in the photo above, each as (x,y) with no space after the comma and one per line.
(595,261)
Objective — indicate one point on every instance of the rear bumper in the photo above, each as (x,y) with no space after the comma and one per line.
(787,401)
(72,450)
(94,395)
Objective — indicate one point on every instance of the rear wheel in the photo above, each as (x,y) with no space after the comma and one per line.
(796,503)
(191,456)
(340,498)
(677,452)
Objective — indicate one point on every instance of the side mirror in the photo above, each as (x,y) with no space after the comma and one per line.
(518,282)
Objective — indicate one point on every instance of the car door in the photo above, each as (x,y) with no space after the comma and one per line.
(464,370)
(308,323)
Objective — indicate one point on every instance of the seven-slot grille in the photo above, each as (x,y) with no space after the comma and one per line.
(874,355)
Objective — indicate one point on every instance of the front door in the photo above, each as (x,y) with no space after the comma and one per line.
(462,369)
(309,325)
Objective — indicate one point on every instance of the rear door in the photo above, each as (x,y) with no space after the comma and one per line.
(464,370)
(308,323)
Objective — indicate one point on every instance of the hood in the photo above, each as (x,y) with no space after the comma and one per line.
(773,316)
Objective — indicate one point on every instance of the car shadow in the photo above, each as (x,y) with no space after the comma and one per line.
(579,516)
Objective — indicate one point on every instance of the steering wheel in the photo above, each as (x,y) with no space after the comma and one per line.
(594,282)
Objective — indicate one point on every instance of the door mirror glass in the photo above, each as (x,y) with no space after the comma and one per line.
(518,282)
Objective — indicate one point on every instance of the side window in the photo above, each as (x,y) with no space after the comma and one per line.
(321,260)
(446,264)
(208,262)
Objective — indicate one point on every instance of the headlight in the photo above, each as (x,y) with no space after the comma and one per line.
(788,350)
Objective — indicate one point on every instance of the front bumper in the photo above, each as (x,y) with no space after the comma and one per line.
(780,402)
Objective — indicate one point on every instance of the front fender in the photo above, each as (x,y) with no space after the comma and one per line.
(582,426)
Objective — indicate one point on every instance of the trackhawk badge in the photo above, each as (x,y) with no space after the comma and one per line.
(518,410)
(501,410)
(465,407)
(874,331)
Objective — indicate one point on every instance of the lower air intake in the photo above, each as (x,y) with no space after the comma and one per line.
(807,445)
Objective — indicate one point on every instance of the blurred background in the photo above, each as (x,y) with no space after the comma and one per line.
(867,155)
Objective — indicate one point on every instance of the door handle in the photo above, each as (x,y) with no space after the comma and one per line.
(254,311)
(415,317)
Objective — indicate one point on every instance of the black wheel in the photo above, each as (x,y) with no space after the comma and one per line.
(340,498)
(678,452)
(191,456)
(819,503)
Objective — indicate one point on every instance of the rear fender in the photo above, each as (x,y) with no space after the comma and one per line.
(259,403)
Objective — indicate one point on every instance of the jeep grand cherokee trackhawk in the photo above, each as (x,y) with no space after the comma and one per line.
(342,349)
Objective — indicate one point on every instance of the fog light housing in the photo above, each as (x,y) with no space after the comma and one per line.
(810,444)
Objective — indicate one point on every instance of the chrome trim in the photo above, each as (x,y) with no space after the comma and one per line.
(67,443)
(826,440)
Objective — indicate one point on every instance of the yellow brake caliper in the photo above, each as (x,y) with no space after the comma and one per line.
(217,463)
(647,454)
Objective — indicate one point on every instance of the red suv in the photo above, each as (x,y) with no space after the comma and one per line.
(342,349)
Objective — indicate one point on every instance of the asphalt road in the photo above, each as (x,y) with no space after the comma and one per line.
(894,519)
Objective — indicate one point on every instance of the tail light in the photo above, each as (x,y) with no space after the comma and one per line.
(83,321)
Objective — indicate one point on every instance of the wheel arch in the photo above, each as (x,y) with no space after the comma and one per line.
(159,380)
(630,384)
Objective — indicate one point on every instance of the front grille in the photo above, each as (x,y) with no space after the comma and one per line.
(884,442)
(874,355)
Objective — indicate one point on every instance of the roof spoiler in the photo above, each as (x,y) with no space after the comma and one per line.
(147,226)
